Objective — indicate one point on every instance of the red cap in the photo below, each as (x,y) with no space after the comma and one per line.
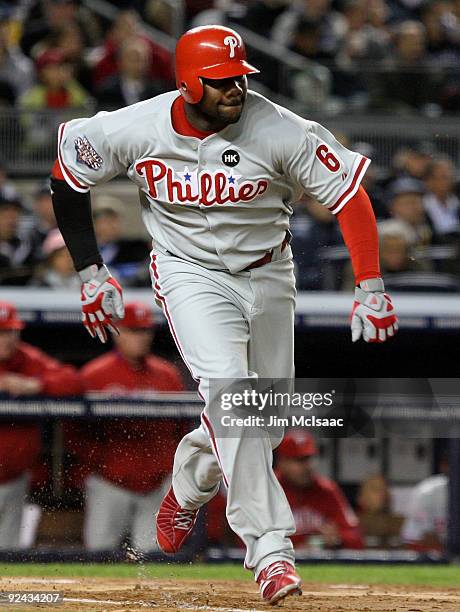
(137,316)
(297,443)
(51,56)
(9,317)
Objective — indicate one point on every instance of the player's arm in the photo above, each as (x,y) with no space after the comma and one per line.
(331,174)
(373,315)
(79,166)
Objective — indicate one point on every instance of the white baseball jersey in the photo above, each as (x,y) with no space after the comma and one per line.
(221,202)
(428,510)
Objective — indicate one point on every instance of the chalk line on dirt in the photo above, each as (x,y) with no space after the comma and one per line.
(147,604)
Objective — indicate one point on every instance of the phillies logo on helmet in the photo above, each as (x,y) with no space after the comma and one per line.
(206,188)
(232,42)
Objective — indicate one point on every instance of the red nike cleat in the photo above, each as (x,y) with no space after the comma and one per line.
(174,524)
(277,581)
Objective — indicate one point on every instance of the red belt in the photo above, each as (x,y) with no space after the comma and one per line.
(265,259)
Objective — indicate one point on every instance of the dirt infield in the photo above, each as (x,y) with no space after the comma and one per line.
(104,595)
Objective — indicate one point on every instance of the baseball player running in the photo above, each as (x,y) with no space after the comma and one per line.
(219,168)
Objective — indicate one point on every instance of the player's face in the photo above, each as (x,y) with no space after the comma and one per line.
(223,101)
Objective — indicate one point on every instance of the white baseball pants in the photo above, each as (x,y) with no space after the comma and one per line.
(12,499)
(111,512)
(233,326)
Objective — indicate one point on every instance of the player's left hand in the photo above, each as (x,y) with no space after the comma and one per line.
(373,316)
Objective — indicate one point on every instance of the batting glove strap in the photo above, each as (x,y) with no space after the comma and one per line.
(101,300)
(373,316)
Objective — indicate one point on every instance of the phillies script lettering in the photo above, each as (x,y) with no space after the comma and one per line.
(206,188)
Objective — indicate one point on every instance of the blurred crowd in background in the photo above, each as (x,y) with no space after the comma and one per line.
(386,55)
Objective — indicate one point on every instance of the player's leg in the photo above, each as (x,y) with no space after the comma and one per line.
(271,326)
(108,511)
(12,498)
(143,529)
(271,355)
(207,321)
(208,313)
(257,508)
(196,473)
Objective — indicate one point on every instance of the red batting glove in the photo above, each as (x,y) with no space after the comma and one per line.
(373,316)
(102,301)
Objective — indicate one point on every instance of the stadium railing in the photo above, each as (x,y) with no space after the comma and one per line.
(29,138)
(314,309)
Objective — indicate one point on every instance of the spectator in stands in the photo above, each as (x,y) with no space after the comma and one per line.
(371,181)
(332,24)
(395,239)
(7,189)
(425,527)
(261,15)
(395,249)
(69,40)
(322,515)
(42,220)
(128,460)
(56,269)
(380,525)
(312,228)
(57,88)
(16,253)
(407,83)
(125,27)
(406,205)
(57,91)
(132,83)
(160,14)
(306,41)
(47,17)
(126,257)
(442,32)
(24,371)
(411,161)
(16,70)
(303,85)
(364,47)
(441,203)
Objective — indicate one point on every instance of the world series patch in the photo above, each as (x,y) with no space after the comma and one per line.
(87,154)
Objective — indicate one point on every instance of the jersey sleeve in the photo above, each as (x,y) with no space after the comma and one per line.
(85,155)
(325,169)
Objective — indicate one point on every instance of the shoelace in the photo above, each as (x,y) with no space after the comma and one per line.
(276,569)
(184,519)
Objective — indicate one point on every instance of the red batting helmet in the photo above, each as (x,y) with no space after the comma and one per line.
(212,52)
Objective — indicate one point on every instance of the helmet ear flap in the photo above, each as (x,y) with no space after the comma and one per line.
(192,90)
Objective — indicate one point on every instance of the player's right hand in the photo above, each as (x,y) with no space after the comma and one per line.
(373,316)
(101,301)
